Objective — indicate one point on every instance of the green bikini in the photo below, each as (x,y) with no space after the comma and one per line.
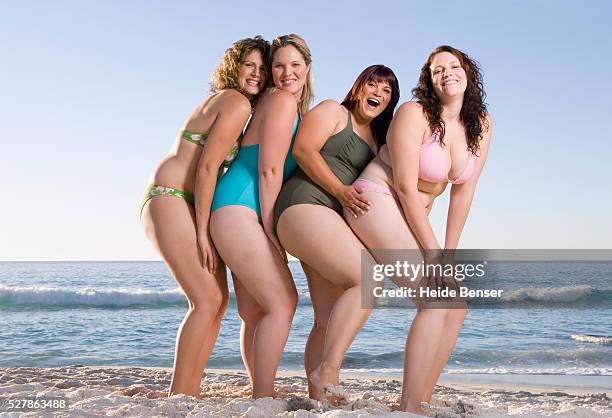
(347,155)
(195,138)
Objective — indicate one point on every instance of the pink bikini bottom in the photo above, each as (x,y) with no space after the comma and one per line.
(371,186)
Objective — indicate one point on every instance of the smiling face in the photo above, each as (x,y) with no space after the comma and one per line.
(448,77)
(289,70)
(373,98)
(252,73)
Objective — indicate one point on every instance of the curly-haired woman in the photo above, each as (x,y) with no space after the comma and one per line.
(441,138)
(176,206)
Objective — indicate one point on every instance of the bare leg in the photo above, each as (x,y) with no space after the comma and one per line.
(384,226)
(323,295)
(169,223)
(452,327)
(250,313)
(207,348)
(244,246)
(335,252)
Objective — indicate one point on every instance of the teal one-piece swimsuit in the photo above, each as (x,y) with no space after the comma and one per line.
(240,184)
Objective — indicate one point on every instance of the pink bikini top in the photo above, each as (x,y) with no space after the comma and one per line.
(434,166)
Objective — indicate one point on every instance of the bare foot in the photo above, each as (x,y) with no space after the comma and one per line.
(415,408)
(318,382)
(335,394)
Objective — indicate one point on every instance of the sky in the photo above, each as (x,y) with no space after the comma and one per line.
(92,95)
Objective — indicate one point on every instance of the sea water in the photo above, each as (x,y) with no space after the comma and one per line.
(128,313)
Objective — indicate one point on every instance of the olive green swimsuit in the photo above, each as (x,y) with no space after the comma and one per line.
(345,153)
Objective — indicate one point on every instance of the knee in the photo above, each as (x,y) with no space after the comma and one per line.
(208,303)
(249,313)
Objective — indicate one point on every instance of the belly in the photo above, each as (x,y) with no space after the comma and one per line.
(381,173)
(178,168)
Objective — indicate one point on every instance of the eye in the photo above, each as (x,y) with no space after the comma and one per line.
(387,91)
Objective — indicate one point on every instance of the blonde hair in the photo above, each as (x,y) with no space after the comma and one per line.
(300,44)
(225,75)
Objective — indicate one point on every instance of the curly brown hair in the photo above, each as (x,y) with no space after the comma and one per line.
(473,110)
(225,75)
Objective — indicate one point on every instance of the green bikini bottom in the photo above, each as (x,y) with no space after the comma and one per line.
(156,190)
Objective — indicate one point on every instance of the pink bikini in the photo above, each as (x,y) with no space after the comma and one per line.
(433,167)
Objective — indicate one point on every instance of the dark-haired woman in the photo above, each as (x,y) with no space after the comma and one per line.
(441,138)
(176,206)
(334,143)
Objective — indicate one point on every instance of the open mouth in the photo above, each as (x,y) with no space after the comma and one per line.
(373,102)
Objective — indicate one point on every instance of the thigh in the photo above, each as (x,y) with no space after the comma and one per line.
(384,225)
(323,294)
(385,232)
(169,223)
(320,237)
(247,251)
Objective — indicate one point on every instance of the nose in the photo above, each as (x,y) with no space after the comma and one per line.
(256,71)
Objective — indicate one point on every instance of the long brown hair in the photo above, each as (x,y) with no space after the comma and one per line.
(473,110)
(380,74)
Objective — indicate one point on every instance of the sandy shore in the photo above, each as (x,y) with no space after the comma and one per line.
(140,391)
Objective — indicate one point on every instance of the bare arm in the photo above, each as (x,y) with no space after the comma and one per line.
(404,141)
(234,110)
(316,128)
(275,132)
(462,195)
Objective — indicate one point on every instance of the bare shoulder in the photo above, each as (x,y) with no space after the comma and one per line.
(329,109)
(411,108)
(278,97)
(411,112)
(230,99)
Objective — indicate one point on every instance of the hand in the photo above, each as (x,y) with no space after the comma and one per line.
(441,269)
(208,251)
(275,241)
(350,198)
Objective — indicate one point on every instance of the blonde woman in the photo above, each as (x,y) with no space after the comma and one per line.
(176,206)
(242,223)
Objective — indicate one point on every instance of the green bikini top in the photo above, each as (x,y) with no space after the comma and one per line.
(200,139)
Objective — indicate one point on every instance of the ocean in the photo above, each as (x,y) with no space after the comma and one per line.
(127,313)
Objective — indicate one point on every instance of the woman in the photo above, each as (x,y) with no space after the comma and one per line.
(442,138)
(242,219)
(335,142)
(207,142)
